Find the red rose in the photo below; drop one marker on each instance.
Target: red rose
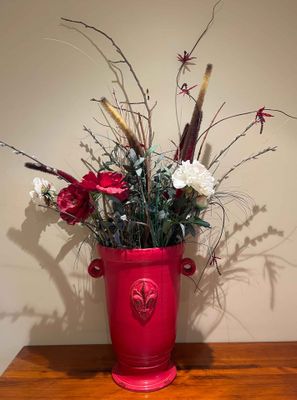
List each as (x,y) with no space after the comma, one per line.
(74,204)
(110,183)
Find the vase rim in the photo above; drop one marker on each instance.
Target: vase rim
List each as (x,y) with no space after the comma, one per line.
(145,255)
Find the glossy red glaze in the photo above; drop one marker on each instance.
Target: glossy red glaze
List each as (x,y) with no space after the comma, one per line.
(95,269)
(142,292)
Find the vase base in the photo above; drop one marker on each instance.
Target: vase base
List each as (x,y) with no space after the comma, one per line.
(144,382)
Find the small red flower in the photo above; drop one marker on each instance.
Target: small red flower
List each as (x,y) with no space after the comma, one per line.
(185,59)
(110,183)
(185,90)
(260,117)
(214,261)
(74,204)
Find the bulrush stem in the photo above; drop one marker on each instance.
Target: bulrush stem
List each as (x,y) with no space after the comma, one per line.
(53,171)
(204,86)
(119,120)
(189,138)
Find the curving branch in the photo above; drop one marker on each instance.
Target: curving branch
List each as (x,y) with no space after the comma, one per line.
(126,61)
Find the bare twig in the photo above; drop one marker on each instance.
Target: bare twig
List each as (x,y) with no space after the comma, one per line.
(205,137)
(218,203)
(118,49)
(100,123)
(21,152)
(240,115)
(132,102)
(252,157)
(281,112)
(92,135)
(39,165)
(89,166)
(117,62)
(178,87)
(207,27)
(215,160)
(123,109)
(119,78)
(87,224)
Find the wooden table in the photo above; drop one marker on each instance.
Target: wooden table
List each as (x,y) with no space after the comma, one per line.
(205,371)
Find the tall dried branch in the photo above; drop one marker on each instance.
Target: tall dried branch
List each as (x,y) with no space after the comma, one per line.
(178,87)
(120,52)
(207,26)
(118,74)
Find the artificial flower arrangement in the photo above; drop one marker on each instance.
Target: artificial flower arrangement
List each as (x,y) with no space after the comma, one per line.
(140,205)
(134,196)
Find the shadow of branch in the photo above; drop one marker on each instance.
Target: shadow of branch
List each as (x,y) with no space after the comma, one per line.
(213,288)
(81,317)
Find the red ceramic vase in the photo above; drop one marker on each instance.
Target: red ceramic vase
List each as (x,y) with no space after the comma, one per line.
(142,292)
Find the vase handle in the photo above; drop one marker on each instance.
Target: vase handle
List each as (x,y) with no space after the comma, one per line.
(188,267)
(95,269)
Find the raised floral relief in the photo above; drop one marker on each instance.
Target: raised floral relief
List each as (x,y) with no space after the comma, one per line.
(144,295)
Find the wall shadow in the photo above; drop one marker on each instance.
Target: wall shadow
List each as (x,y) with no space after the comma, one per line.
(211,292)
(81,302)
(81,307)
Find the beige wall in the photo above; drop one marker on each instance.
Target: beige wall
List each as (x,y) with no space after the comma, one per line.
(45,293)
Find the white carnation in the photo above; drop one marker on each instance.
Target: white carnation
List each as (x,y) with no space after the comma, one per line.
(42,190)
(194,175)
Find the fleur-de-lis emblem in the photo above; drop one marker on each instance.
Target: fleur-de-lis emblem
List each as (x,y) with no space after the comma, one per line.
(143,295)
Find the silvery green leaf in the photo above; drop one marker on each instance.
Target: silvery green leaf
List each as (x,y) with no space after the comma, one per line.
(162,214)
(182,226)
(139,162)
(117,239)
(150,150)
(139,171)
(160,158)
(133,155)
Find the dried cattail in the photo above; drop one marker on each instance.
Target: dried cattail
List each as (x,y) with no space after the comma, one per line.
(181,142)
(189,138)
(119,120)
(200,100)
